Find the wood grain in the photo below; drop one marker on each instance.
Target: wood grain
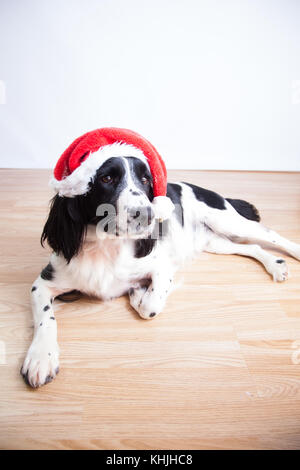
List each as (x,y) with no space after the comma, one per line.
(219,369)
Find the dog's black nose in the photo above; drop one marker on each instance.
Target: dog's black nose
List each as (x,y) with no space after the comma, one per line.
(144,215)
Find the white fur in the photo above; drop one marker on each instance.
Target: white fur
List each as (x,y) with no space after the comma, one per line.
(41,364)
(163,207)
(106,268)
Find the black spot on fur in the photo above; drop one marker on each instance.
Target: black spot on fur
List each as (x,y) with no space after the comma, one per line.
(52,318)
(143,247)
(210,198)
(47,273)
(280,261)
(46,308)
(134,193)
(245,209)
(49,354)
(152,314)
(41,323)
(131,290)
(33,288)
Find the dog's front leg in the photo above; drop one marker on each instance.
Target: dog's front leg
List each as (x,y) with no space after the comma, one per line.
(41,363)
(149,302)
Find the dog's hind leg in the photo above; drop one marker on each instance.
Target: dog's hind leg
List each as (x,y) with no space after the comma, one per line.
(41,364)
(277,267)
(231,224)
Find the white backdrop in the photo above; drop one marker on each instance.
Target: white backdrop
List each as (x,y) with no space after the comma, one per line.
(213,84)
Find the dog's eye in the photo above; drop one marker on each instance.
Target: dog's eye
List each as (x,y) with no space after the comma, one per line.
(144,180)
(106,179)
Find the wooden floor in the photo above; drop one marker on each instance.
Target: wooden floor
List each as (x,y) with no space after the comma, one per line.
(219,369)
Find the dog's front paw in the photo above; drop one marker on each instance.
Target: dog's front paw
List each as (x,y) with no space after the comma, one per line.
(279,270)
(41,364)
(146,303)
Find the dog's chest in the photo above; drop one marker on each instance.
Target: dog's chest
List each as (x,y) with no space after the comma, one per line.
(108,269)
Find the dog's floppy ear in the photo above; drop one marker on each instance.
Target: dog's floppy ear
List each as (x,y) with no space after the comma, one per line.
(65,227)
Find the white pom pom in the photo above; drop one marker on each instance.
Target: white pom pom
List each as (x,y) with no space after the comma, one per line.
(163,207)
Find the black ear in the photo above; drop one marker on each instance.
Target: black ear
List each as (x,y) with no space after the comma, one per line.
(65,227)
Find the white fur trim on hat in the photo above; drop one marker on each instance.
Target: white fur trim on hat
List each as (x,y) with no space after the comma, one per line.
(78,181)
(163,207)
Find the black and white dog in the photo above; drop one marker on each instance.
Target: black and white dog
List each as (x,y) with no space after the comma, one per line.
(140,255)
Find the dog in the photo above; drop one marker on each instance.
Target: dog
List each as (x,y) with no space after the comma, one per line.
(107,243)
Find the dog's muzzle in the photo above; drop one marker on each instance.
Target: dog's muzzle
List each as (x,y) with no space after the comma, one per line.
(140,216)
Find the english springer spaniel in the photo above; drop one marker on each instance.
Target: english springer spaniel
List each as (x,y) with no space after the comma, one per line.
(107,243)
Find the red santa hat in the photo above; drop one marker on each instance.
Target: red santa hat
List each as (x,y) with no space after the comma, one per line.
(80,161)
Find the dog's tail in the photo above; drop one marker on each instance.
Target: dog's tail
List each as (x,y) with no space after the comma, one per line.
(245,209)
(71,296)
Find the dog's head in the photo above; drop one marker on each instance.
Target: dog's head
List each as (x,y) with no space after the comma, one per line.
(118,201)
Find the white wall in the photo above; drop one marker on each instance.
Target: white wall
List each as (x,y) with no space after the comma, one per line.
(213,84)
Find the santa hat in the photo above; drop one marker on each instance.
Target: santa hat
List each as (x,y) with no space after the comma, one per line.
(80,161)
